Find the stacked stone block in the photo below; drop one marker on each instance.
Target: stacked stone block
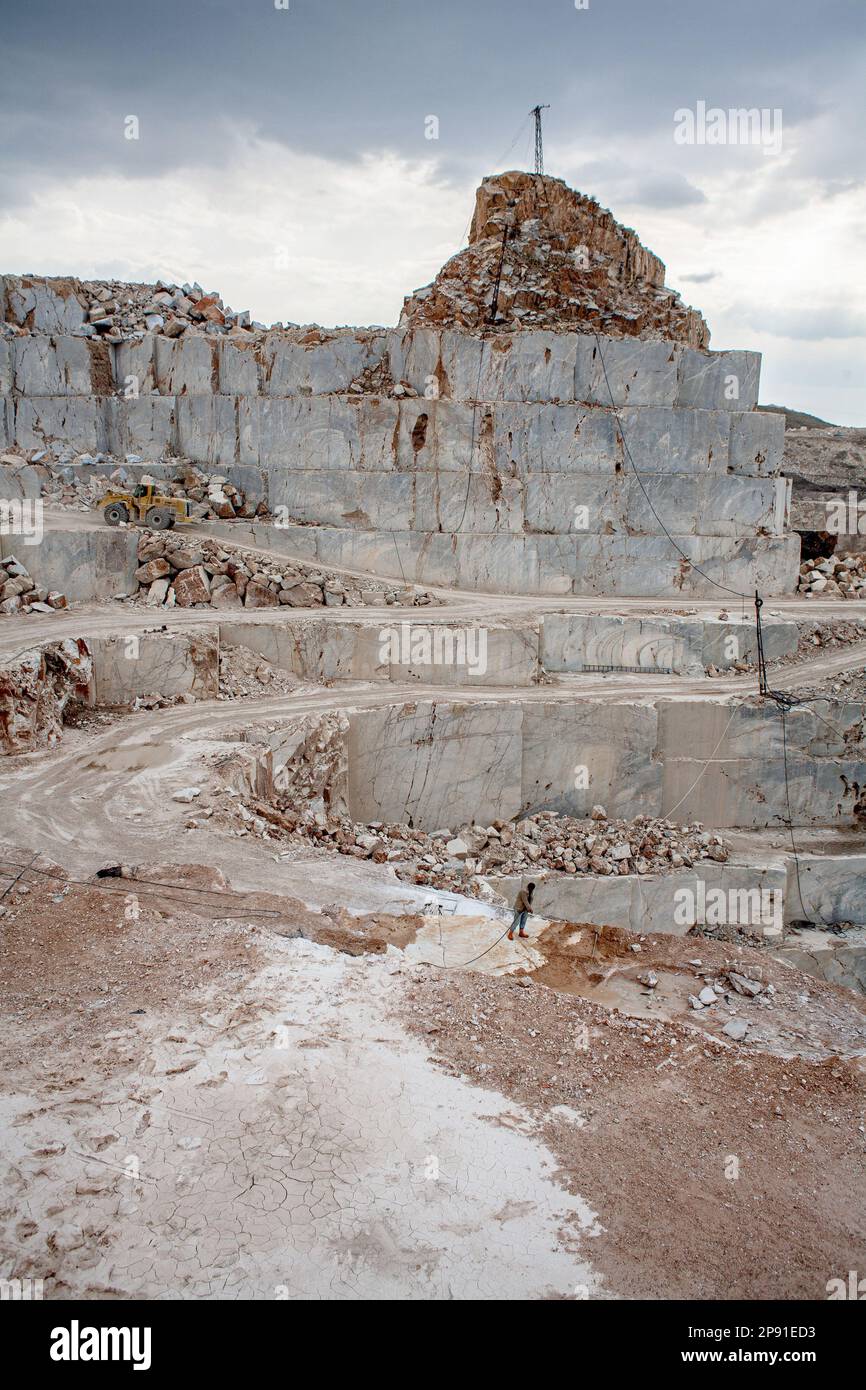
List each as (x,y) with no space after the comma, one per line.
(525,462)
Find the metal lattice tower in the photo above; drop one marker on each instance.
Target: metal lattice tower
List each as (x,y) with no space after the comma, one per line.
(539,148)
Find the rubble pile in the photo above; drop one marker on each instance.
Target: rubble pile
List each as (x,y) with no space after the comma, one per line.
(36,691)
(847,685)
(553,842)
(838,632)
(731,984)
(308,809)
(828,635)
(377,380)
(117,311)
(843,685)
(562,261)
(211,496)
(836,576)
(19,593)
(244,673)
(202,573)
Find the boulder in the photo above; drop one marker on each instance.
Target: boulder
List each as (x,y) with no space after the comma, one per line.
(260,596)
(150,548)
(157,592)
(154,569)
(184,559)
(736,1029)
(13,587)
(208,308)
(743,985)
(226,596)
(191,586)
(302,596)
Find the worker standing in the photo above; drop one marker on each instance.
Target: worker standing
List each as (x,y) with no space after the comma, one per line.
(522,909)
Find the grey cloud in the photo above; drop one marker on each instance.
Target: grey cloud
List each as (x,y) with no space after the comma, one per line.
(667,191)
(336,77)
(813,324)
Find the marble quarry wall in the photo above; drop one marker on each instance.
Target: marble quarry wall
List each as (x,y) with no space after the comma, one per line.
(435,764)
(833,890)
(490,461)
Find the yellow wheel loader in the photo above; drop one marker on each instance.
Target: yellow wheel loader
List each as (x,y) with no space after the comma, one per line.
(145,506)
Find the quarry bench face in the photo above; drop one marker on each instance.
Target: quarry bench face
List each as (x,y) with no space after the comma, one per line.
(537,462)
(461,606)
(558,454)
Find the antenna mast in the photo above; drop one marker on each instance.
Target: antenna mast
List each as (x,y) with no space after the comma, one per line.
(539,148)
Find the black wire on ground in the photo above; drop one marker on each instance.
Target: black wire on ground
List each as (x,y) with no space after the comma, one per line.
(134,884)
(24,870)
(461,965)
(160,888)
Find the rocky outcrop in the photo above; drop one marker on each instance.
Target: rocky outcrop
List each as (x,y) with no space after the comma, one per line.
(452,450)
(562,261)
(36,691)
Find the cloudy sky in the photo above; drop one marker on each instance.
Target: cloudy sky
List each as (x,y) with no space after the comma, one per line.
(283,155)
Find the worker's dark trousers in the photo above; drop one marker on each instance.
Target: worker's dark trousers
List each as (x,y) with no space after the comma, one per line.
(519,921)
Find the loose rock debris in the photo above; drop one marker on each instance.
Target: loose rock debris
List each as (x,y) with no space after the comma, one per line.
(309,1111)
(308,809)
(175,571)
(837,576)
(19,592)
(119,311)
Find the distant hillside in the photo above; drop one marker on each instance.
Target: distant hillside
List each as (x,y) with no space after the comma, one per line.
(798,419)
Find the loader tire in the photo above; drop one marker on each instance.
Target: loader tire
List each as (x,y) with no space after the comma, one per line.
(115,513)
